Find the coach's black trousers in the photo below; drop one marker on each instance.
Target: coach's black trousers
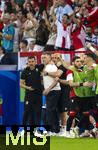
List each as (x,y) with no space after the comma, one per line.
(52,115)
(32,109)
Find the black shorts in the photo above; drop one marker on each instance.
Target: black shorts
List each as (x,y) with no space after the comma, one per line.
(74,104)
(64,100)
(82,104)
(88,104)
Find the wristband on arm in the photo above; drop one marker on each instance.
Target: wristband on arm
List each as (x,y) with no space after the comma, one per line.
(81,84)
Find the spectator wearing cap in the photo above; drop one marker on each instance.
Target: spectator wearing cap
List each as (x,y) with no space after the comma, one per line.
(7,34)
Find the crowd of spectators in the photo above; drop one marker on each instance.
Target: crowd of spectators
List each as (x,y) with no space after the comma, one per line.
(45,25)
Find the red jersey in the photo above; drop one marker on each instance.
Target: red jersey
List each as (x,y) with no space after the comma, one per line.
(78,37)
(93,18)
(69,75)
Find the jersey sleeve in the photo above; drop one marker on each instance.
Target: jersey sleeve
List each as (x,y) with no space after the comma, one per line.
(23,75)
(69,75)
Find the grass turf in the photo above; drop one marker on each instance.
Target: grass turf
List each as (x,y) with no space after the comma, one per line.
(59,143)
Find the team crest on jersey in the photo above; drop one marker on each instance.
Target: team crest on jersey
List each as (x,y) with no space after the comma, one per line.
(36,69)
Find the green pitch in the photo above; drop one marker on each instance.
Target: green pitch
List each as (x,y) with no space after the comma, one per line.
(59,143)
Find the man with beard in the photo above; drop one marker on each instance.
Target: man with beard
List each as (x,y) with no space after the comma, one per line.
(31,82)
(78,102)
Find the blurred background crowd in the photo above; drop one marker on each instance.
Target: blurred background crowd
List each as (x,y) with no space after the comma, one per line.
(48,25)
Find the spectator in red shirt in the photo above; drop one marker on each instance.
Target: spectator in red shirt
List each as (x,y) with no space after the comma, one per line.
(92,19)
(78,35)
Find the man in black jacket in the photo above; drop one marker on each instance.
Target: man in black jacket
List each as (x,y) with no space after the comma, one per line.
(31,82)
